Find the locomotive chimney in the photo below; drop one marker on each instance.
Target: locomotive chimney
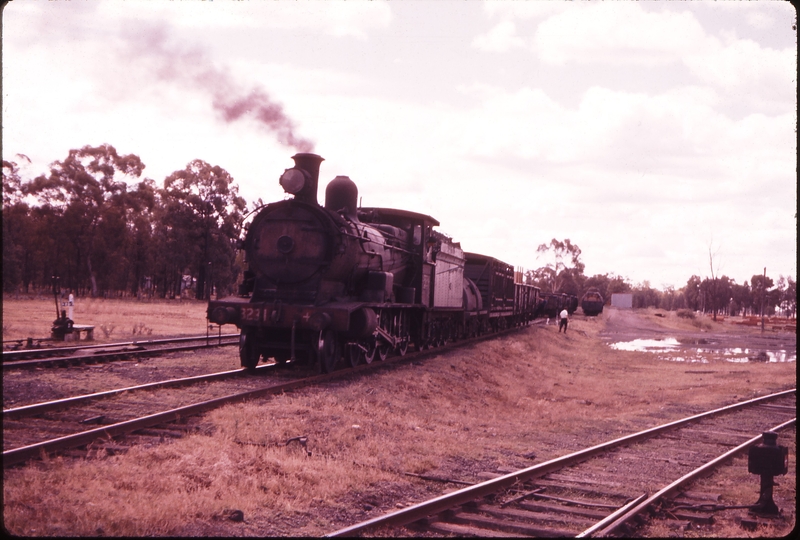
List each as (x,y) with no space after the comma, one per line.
(309,163)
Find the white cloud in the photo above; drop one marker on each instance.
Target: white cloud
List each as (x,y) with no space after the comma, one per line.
(616,33)
(524,10)
(353,18)
(501,38)
(743,63)
(760,20)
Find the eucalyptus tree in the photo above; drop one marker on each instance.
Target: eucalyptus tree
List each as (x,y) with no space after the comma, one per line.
(17,226)
(693,294)
(565,268)
(86,196)
(788,301)
(764,300)
(199,226)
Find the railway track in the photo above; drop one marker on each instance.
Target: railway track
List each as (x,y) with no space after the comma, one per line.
(95,419)
(155,409)
(598,491)
(90,354)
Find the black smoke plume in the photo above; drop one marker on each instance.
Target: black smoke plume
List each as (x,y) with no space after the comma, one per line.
(191,68)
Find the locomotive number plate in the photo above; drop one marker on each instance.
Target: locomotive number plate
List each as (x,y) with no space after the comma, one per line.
(252,314)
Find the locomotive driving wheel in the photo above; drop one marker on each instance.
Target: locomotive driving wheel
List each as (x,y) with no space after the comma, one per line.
(327,351)
(383,351)
(369,353)
(354,354)
(248,351)
(402,347)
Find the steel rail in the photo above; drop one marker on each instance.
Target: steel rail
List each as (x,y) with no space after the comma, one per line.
(465,495)
(39,408)
(613,516)
(21,454)
(8,355)
(687,478)
(111,354)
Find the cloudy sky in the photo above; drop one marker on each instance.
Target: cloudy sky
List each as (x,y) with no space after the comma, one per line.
(647,133)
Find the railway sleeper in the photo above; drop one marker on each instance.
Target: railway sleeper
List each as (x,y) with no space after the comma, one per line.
(694,517)
(549,507)
(156,432)
(111,449)
(674,460)
(75,453)
(585,489)
(463,530)
(676,524)
(53,427)
(557,515)
(583,480)
(495,524)
(691,497)
(185,428)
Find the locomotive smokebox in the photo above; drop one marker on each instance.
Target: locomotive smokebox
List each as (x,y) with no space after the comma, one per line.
(302,180)
(341,195)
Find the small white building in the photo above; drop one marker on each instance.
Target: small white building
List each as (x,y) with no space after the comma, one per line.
(622,300)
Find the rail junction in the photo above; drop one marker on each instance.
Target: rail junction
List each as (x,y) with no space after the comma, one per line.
(602,490)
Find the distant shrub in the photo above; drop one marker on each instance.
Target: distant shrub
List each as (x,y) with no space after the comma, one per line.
(107,329)
(701,324)
(141,329)
(685,313)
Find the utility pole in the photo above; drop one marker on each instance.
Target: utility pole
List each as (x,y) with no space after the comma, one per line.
(763,293)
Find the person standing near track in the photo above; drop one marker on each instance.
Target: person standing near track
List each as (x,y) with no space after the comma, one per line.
(563,318)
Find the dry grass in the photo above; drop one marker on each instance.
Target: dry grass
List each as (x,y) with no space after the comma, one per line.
(454,415)
(114,320)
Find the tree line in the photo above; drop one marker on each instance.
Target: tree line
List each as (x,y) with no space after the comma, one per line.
(714,295)
(102,231)
(92,222)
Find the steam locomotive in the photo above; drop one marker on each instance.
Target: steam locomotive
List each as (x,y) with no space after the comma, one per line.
(341,283)
(592,302)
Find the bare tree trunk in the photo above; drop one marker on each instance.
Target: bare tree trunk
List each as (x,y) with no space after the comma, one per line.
(92,277)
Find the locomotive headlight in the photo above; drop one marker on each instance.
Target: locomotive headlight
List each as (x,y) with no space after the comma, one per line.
(293,180)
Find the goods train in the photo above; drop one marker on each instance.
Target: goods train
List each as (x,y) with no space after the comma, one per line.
(592,302)
(340,282)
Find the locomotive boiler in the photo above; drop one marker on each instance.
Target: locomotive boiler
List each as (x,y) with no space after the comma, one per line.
(337,281)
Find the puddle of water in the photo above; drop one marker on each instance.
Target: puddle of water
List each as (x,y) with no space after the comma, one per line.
(647,345)
(666,347)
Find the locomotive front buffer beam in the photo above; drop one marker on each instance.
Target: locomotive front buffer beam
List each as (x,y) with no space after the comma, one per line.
(352,319)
